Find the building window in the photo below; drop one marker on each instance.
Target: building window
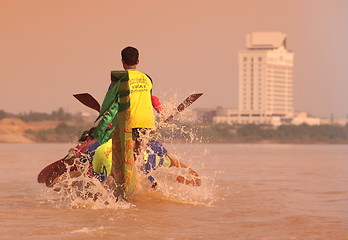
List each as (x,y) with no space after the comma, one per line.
(260,59)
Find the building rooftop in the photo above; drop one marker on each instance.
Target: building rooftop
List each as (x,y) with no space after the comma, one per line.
(265,40)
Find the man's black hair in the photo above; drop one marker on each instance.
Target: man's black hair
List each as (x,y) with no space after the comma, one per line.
(130,55)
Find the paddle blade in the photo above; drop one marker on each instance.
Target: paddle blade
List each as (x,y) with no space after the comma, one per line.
(88,100)
(54,170)
(47,171)
(187,102)
(67,165)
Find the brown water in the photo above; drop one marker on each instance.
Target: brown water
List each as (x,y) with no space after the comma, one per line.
(248,192)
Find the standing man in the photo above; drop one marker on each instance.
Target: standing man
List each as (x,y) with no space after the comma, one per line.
(141,112)
(127,117)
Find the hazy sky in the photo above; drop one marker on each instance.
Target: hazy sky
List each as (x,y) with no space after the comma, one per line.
(51,49)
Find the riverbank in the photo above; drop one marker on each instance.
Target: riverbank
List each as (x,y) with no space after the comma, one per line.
(13,130)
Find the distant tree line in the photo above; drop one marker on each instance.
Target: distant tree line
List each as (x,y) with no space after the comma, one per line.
(191,133)
(61,133)
(31,116)
(216,133)
(252,133)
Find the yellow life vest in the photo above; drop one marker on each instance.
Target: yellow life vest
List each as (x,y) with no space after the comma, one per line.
(102,159)
(141,112)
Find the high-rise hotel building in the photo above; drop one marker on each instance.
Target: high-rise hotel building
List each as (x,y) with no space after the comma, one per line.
(265,84)
(266,75)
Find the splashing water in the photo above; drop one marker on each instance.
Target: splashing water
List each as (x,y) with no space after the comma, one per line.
(75,189)
(78,190)
(172,190)
(85,192)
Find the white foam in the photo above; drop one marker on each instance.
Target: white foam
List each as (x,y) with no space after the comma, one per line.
(88,230)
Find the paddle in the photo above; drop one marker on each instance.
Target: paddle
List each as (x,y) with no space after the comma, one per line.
(60,169)
(50,172)
(56,169)
(182,106)
(47,171)
(88,100)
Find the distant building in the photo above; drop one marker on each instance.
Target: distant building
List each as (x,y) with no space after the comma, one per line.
(265,86)
(234,116)
(265,82)
(266,74)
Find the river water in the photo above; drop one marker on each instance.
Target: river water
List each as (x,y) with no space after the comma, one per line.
(248,191)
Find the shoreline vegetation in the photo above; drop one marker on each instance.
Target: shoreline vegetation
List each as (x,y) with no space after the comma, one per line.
(62,127)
